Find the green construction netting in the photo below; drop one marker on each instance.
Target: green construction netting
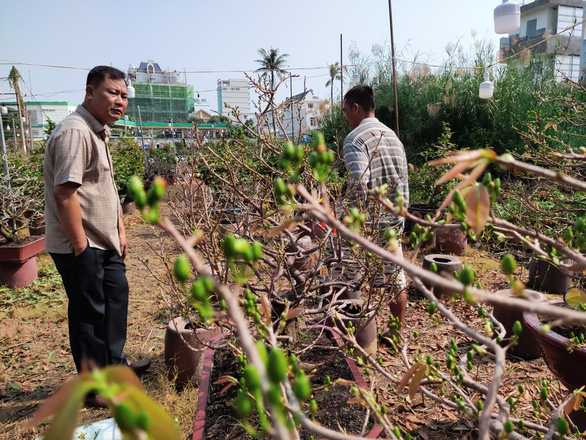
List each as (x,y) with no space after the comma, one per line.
(161,102)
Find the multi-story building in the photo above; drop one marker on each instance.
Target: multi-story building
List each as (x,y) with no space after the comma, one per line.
(234,94)
(300,114)
(161,95)
(541,19)
(38,114)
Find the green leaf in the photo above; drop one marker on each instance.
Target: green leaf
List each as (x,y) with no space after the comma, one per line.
(67,417)
(161,424)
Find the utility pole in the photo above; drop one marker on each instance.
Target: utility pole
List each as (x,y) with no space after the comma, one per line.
(13,77)
(341,94)
(394,71)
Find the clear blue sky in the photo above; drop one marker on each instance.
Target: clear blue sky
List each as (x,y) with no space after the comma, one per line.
(223,35)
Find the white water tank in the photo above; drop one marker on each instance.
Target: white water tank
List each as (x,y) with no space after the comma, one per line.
(507,17)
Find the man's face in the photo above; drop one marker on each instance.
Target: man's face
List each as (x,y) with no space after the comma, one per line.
(351,112)
(107,102)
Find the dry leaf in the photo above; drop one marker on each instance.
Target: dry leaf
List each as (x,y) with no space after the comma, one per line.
(408,375)
(225,379)
(477,206)
(416,380)
(293,313)
(285,225)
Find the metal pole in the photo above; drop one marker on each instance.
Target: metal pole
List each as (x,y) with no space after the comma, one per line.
(173,138)
(142,137)
(3,145)
(394,71)
(341,93)
(291,94)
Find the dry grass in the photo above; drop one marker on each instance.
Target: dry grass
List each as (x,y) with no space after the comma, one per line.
(36,358)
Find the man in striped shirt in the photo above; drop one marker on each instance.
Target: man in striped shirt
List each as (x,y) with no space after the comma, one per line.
(374,156)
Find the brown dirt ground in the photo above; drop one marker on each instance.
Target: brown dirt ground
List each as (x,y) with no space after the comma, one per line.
(35,358)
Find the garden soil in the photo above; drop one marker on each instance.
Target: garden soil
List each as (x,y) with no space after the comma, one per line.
(35,357)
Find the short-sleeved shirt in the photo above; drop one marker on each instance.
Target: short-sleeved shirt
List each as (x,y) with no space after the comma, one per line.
(77,152)
(374,155)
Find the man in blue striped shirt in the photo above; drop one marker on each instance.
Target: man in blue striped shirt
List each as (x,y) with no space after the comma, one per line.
(374,156)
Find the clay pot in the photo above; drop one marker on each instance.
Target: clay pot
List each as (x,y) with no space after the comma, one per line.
(450,241)
(399,306)
(365,333)
(546,277)
(183,360)
(18,262)
(128,208)
(446,266)
(304,262)
(567,367)
(527,347)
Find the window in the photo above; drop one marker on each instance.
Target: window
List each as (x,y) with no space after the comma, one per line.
(312,122)
(531,28)
(310,105)
(150,68)
(568,65)
(569,16)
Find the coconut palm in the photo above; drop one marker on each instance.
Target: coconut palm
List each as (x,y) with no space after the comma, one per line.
(334,76)
(271,62)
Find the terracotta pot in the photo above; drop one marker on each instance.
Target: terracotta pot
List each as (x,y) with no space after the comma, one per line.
(128,208)
(37,230)
(446,266)
(399,306)
(183,360)
(18,265)
(450,241)
(205,386)
(351,312)
(527,347)
(546,277)
(567,367)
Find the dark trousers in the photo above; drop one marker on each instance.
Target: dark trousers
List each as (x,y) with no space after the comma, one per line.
(97,288)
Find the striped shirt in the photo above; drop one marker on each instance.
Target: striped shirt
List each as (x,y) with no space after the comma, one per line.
(374,155)
(77,152)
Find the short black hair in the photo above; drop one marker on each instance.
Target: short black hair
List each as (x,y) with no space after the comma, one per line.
(362,95)
(99,73)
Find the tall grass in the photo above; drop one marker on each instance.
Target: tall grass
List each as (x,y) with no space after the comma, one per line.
(429,98)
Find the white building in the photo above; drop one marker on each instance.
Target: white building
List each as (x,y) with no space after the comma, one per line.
(39,112)
(232,94)
(541,19)
(302,117)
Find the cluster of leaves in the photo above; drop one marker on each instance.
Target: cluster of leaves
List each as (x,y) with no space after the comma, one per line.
(136,414)
(127,161)
(160,162)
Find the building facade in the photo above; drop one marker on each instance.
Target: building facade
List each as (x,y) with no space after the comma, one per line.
(161,95)
(301,115)
(234,94)
(541,19)
(38,114)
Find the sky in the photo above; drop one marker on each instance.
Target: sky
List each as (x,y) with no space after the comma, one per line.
(221,36)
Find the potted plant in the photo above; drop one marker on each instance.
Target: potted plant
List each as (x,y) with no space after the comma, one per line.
(564,353)
(21,206)
(216,409)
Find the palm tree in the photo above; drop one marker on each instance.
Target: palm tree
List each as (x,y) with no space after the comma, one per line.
(271,62)
(334,76)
